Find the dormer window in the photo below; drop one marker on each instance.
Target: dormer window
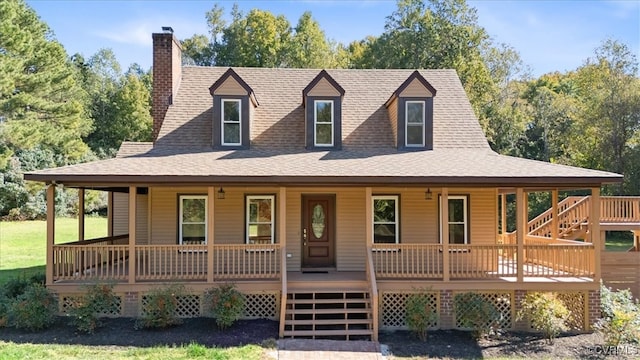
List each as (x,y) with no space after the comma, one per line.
(323,122)
(414,123)
(233,100)
(411,113)
(323,114)
(231,125)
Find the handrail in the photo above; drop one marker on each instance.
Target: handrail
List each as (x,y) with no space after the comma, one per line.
(283,295)
(373,289)
(97,240)
(544,218)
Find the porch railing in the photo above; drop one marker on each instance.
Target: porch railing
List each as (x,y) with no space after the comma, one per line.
(424,261)
(99,260)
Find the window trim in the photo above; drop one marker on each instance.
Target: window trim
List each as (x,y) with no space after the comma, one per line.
(180,216)
(247,216)
(422,124)
(315,122)
(467,218)
(223,122)
(396,198)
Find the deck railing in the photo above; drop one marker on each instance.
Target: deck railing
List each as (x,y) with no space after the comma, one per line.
(482,261)
(555,260)
(373,291)
(168,262)
(616,209)
(83,262)
(233,262)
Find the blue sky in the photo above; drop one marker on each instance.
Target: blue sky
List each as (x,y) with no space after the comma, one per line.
(549,35)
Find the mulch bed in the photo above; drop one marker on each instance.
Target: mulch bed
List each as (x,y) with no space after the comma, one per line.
(443,344)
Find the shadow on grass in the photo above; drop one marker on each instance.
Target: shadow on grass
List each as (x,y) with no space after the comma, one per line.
(8,274)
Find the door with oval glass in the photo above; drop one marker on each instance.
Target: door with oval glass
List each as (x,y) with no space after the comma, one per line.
(318,231)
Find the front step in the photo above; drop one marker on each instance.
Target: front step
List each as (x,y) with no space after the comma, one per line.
(328,314)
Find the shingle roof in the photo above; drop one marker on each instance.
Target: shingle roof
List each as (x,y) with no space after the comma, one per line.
(183,151)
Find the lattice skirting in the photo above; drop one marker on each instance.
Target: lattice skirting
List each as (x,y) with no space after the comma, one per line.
(576,303)
(259,305)
(393,309)
(68,301)
(503,302)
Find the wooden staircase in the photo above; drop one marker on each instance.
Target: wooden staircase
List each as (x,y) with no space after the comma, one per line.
(337,314)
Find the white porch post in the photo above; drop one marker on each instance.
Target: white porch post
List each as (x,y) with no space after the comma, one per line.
(132,234)
(595,231)
(554,213)
(51,231)
(444,234)
(80,214)
(521,228)
(211,194)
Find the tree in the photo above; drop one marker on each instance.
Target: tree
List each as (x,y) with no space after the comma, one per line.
(609,115)
(309,47)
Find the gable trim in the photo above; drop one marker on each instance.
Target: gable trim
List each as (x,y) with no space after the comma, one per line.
(322,75)
(414,76)
(231,73)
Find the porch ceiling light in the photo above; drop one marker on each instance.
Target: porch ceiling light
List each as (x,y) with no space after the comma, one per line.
(428,195)
(221,193)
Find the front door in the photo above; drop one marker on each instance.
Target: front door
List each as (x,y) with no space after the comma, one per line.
(318,231)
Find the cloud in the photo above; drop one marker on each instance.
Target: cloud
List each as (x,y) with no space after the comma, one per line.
(139,32)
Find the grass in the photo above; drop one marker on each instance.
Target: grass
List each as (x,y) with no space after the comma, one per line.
(23,244)
(619,241)
(10,351)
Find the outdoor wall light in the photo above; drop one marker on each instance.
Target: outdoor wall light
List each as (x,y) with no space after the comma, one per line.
(221,193)
(428,195)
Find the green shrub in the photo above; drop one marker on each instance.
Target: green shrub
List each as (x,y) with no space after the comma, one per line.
(16,287)
(620,322)
(225,304)
(475,312)
(419,314)
(546,312)
(34,310)
(160,308)
(5,303)
(85,313)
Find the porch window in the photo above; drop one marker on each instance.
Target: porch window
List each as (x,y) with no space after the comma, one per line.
(193,220)
(323,122)
(231,127)
(414,122)
(385,219)
(458,219)
(260,219)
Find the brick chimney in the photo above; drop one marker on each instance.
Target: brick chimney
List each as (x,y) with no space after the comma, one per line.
(167,68)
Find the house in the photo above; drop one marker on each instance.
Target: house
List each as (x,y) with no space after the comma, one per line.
(327,197)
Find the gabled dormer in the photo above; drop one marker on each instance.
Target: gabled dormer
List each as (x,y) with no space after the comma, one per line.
(411,113)
(322,100)
(233,104)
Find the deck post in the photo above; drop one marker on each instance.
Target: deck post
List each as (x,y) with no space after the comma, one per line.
(444,220)
(132,234)
(503,215)
(211,195)
(282,239)
(109,213)
(595,231)
(368,216)
(81,214)
(521,228)
(554,214)
(51,231)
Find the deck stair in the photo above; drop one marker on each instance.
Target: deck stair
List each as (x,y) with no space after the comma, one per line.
(337,314)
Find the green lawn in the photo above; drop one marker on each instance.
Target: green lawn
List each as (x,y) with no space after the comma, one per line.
(11,351)
(619,241)
(23,243)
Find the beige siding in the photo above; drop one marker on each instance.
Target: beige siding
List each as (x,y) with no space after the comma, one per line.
(120,213)
(323,88)
(230,87)
(121,216)
(294,224)
(393,117)
(350,230)
(415,89)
